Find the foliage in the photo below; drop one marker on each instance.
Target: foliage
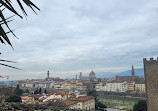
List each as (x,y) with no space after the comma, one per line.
(116,101)
(40,91)
(140,106)
(33,85)
(18,91)
(50,103)
(36,91)
(45,91)
(101,105)
(7,4)
(27,91)
(4,27)
(14,98)
(93,93)
(98,104)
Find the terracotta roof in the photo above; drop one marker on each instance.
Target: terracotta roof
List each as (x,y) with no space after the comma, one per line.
(70,102)
(123,78)
(24,97)
(36,95)
(83,98)
(51,93)
(83,93)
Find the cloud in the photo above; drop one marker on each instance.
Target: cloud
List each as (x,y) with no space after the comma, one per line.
(69,36)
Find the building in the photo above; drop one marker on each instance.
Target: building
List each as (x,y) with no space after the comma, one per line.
(151,81)
(140,87)
(131,86)
(80,76)
(127,78)
(100,87)
(116,86)
(92,75)
(66,99)
(85,103)
(48,78)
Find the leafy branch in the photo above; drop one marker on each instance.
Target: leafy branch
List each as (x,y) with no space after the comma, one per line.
(7,4)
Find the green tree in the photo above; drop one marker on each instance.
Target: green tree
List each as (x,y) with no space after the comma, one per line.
(27,91)
(36,91)
(45,91)
(140,106)
(14,98)
(93,93)
(98,104)
(18,91)
(50,103)
(40,91)
(33,85)
(101,105)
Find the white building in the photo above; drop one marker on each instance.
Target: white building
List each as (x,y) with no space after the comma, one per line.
(140,87)
(100,87)
(116,86)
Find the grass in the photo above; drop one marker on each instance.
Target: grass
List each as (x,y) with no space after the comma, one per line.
(119,102)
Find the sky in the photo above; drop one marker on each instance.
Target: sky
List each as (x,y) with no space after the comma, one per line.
(71,36)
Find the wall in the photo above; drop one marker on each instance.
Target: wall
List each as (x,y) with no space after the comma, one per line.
(151,80)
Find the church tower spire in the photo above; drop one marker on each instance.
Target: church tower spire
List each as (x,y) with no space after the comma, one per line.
(132,71)
(133,74)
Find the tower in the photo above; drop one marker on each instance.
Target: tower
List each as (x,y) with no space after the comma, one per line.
(92,75)
(151,82)
(80,76)
(48,74)
(133,74)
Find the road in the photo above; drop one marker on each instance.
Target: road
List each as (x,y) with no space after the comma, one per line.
(110,109)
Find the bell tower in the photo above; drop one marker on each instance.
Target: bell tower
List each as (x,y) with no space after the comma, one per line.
(48,74)
(133,74)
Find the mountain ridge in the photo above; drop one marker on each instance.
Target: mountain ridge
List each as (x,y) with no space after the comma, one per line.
(138,72)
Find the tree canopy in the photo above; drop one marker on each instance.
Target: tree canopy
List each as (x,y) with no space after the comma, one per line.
(18,91)
(98,104)
(14,98)
(140,106)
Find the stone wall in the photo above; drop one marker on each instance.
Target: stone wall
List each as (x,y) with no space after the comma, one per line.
(151,80)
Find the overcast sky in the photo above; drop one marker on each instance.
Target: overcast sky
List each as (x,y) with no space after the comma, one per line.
(72,36)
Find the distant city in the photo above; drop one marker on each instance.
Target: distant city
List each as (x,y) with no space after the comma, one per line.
(71,92)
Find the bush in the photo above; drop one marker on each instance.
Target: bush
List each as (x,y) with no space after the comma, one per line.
(18,91)
(14,98)
(101,105)
(50,103)
(140,106)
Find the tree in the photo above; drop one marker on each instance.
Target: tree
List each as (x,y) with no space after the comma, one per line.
(140,106)
(14,98)
(45,91)
(101,105)
(93,93)
(50,103)
(98,104)
(40,91)
(36,92)
(18,91)
(4,27)
(27,91)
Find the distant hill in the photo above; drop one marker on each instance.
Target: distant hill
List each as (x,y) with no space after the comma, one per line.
(105,74)
(7,82)
(138,72)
